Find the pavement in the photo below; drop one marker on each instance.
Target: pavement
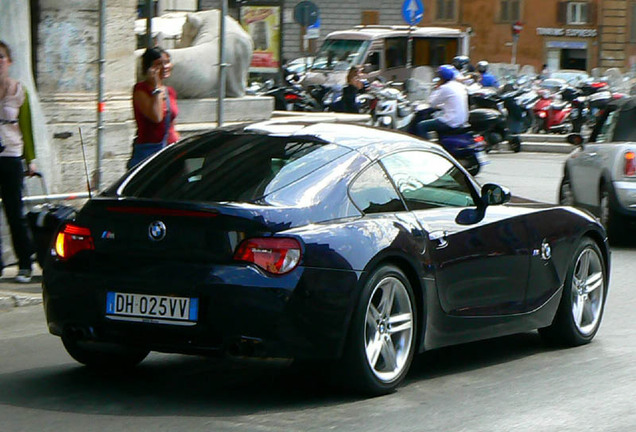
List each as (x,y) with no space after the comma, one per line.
(14,294)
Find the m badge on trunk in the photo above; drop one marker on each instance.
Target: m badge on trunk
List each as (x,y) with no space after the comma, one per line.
(156,231)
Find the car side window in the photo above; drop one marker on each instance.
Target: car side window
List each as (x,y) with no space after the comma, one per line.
(395,52)
(373,62)
(428,180)
(372,192)
(607,130)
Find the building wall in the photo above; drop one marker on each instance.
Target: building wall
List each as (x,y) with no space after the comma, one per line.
(492,39)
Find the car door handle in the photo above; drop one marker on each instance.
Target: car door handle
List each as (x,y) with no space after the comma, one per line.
(439,237)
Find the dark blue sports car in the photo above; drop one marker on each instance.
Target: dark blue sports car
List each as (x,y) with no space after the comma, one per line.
(347,244)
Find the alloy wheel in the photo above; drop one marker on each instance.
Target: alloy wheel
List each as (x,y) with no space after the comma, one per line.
(588,290)
(389,329)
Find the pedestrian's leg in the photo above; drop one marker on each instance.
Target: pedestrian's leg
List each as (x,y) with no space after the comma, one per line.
(13,177)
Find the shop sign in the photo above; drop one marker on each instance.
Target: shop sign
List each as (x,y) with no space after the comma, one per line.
(569,32)
(566,45)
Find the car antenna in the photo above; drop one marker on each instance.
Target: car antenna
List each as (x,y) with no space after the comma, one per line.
(88,183)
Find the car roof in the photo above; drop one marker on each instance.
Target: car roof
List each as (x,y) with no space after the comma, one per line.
(371,141)
(371,32)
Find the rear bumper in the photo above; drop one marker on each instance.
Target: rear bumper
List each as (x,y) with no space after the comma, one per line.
(625,194)
(242,311)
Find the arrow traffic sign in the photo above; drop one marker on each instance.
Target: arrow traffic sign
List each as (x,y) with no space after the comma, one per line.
(412,11)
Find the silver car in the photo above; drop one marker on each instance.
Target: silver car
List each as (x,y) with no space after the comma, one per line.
(600,175)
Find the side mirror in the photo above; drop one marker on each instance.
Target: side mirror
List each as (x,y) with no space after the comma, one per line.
(493,194)
(575,139)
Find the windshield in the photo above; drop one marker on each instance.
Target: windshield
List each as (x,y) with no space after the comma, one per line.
(340,54)
(228,167)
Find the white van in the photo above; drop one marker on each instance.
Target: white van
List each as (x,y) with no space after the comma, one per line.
(391,52)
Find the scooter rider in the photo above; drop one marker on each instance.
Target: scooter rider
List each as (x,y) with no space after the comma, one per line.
(451,97)
(486,78)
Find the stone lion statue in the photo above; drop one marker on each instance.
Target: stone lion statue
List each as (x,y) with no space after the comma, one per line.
(196,71)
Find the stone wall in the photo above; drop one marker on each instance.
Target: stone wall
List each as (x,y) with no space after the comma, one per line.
(67,78)
(613,21)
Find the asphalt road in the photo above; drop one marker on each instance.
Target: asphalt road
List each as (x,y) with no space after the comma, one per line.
(514,383)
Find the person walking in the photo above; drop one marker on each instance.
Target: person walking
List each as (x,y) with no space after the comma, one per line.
(16,144)
(155,107)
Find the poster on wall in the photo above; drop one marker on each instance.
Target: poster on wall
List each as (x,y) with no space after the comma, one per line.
(263,24)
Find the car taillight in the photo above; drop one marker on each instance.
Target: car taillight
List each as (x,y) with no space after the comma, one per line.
(291,97)
(629,168)
(275,255)
(72,239)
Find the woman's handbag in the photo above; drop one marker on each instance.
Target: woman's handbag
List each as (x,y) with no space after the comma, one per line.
(145,150)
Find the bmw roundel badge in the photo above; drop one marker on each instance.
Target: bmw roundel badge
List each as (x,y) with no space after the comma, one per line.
(157,231)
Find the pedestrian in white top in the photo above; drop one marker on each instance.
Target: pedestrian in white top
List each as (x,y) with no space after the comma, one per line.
(450,96)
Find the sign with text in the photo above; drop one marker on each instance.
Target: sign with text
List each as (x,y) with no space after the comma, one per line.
(568,32)
(263,24)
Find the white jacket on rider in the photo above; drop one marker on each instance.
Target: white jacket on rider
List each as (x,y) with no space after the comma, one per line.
(452,99)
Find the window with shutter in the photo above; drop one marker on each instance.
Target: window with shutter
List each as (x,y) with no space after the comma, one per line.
(577,13)
(445,10)
(562,12)
(510,10)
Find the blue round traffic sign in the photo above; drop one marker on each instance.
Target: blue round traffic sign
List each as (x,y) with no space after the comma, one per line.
(306,13)
(412,11)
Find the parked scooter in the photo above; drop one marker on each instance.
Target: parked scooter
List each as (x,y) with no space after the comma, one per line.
(291,96)
(467,148)
(392,110)
(493,123)
(552,115)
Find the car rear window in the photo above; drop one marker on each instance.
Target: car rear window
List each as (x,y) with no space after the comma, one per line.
(228,167)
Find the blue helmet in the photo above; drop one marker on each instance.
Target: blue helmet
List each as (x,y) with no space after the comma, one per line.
(446,72)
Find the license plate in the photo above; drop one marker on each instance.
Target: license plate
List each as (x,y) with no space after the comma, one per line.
(152,308)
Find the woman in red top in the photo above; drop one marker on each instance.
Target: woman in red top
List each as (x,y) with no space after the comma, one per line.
(155,107)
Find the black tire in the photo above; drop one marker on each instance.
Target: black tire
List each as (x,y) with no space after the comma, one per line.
(373,333)
(566,194)
(492,140)
(580,311)
(538,125)
(515,143)
(611,220)
(471,164)
(104,356)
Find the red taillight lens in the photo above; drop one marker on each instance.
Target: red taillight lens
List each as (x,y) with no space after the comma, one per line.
(72,239)
(273,254)
(291,97)
(630,164)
